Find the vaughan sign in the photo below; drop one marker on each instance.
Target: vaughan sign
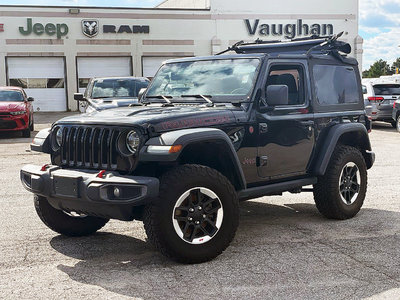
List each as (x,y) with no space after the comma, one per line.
(289,31)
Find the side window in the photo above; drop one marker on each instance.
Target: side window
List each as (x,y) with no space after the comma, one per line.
(293,77)
(335,84)
(364,89)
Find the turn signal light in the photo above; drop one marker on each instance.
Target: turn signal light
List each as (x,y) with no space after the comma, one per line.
(175,149)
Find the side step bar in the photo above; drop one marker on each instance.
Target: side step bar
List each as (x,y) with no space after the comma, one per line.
(274,188)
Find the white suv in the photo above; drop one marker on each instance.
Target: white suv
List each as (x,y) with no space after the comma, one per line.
(379,97)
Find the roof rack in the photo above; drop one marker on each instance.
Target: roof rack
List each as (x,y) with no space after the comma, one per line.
(305,45)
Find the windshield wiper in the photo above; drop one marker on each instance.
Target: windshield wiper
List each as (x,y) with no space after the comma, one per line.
(165,98)
(206,98)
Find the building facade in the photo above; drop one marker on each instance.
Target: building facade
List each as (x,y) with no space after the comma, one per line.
(53,51)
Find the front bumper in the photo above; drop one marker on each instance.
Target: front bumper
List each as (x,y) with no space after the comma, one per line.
(14,123)
(110,196)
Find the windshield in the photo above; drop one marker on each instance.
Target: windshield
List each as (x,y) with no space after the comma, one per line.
(212,78)
(117,88)
(11,96)
(387,89)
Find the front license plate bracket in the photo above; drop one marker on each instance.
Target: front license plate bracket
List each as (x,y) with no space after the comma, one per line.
(66,186)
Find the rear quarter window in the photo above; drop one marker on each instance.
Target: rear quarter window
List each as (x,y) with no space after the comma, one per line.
(335,85)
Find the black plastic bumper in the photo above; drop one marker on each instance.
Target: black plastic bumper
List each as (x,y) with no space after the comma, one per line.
(110,196)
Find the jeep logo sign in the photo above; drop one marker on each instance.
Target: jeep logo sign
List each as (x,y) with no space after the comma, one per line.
(59,30)
(289,31)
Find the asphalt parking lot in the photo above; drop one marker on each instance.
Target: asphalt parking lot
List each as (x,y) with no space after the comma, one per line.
(283,248)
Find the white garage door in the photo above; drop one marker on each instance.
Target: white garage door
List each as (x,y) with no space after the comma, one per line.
(89,67)
(43,78)
(150,65)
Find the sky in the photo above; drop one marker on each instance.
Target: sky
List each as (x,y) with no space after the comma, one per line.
(379,23)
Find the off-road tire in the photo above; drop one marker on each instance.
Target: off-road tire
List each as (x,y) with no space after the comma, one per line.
(62,223)
(394,124)
(158,216)
(398,123)
(26,133)
(326,190)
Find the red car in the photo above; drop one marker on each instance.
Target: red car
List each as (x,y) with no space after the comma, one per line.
(16,110)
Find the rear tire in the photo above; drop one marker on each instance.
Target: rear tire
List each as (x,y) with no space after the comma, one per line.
(340,192)
(394,124)
(196,215)
(398,123)
(65,224)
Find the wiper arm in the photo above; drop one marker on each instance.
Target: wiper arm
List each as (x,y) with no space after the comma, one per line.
(165,98)
(206,98)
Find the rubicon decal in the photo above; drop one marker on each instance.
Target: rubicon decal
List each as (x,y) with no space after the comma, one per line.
(289,31)
(195,122)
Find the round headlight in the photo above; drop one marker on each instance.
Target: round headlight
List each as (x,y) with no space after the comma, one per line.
(59,136)
(132,141)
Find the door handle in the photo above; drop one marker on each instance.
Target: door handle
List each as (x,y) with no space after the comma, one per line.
(307,123)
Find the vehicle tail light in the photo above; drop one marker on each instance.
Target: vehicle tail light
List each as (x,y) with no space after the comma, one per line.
(375,98)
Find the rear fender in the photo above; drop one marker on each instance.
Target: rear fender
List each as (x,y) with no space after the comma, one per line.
(352,134)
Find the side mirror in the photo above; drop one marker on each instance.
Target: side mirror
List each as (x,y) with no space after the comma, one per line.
(79,97)
(141,92)
(277,95)
(30,99)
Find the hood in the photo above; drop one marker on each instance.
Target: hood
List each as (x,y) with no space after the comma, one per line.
(101,104)
(160,118)
(12,105)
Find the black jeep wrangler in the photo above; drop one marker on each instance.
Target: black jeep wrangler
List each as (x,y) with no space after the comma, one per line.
(207,133)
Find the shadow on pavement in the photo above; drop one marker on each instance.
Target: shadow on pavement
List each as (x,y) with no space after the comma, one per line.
(383,126)
(284,252)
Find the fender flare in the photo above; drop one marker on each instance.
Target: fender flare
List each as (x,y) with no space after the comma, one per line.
(186,137)
(331,140)
(41,142)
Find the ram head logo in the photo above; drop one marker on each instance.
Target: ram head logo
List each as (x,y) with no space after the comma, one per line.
(90,28)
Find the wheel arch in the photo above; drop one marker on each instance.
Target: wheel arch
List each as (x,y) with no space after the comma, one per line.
(210,147)
(351,134)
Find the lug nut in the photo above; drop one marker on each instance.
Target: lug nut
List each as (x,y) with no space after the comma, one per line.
(190,219)
(197,222)
(204,216)
(191,209)
(199,208)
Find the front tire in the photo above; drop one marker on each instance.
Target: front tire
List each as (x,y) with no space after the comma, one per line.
(195,216)
(340,192)
(65,223)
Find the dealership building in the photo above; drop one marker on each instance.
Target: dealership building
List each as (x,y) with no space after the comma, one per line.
(52,52)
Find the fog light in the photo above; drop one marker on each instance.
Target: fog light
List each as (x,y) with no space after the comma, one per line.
(117,192)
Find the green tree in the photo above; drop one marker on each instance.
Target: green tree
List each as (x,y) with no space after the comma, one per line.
(395,65)
(378,68)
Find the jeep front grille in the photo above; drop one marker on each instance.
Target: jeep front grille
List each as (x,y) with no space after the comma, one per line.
(89,147)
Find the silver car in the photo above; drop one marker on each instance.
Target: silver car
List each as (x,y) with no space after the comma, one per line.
(379,98)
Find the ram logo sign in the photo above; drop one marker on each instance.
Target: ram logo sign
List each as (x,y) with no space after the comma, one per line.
(90,28)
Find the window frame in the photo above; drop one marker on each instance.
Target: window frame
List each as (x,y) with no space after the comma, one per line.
(303,64)
(356,106)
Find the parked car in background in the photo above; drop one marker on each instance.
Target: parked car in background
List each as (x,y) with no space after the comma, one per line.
(16,110)
(379,97)
(110,92)
(396,114)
